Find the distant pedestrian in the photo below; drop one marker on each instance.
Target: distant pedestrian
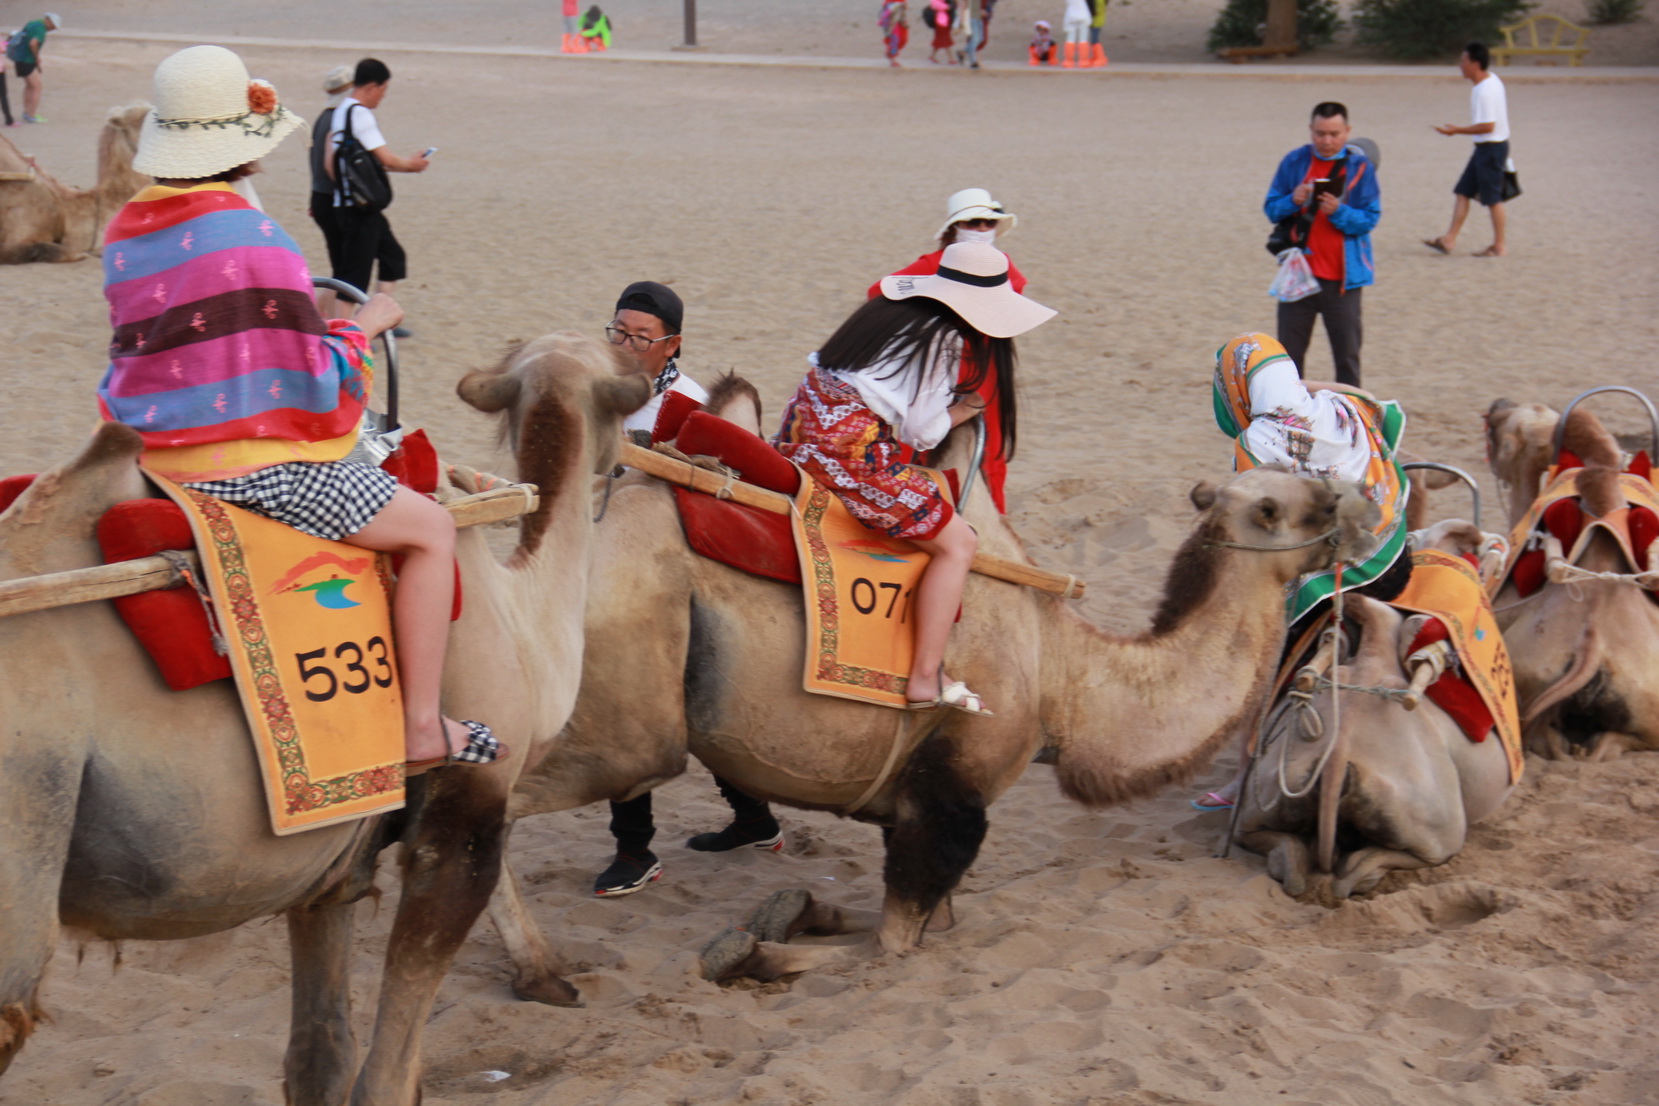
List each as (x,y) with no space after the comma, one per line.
(971,22)
(23,51)
(5,98)
(572,42)
(1482,178)
(1043,50)
(895,31)
(336,86)
(1076,25)
(1331,185)
(940,15)
(1097,27)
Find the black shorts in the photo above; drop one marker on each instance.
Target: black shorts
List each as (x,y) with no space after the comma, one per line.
(25,69)
(364,238)
(322,213)
(1482,178)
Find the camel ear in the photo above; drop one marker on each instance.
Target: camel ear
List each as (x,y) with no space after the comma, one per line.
(622,395)
(1202,495)
(489,390)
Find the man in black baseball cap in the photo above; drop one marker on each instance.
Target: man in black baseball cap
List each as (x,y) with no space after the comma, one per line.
(646,324)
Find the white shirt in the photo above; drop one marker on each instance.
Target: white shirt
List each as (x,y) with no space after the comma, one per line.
(1313,433)
(364,128)
(919,416)
(1489,104)
(646,417)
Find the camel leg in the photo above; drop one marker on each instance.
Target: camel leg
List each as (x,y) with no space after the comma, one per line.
(1610,745)
(322,1054)
(538,967)
(1288,858)
(1365,868)
(451,862)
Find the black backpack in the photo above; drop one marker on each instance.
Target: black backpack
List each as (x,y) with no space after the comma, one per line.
(359,177)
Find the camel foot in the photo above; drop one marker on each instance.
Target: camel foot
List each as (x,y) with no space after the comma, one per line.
(779,917)
(549,990)
(726,956)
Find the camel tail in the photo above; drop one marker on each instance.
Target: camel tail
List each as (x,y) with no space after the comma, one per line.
(1331,780)
(1585,665)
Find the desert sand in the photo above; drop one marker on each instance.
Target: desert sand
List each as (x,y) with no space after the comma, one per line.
(1104,957)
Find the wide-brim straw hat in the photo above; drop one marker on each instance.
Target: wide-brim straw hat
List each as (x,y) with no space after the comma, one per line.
(976,203)
(973,281)
(209,117)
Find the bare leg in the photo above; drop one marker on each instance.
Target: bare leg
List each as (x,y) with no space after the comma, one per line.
(422,532)
(31,94)
(938,597)
(386,286)
(1500,220)
(1460,212)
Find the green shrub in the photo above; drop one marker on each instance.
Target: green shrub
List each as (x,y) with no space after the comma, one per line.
(1241,21)
(1615,11)
(1432,28)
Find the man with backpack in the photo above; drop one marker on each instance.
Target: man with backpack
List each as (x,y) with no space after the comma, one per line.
(23,51)
(356,152)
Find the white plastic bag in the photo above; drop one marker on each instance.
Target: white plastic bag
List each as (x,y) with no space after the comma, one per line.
(1295,279)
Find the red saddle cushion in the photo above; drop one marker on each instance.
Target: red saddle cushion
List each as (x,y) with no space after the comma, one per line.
(756,462)
(757,541)
(12,487)
(1451,692)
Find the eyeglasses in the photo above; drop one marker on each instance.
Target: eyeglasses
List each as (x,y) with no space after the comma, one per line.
(977,224)
(639,343)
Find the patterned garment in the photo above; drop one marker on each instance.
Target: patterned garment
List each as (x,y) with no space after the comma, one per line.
(219,357)
(324,499)
(846,447)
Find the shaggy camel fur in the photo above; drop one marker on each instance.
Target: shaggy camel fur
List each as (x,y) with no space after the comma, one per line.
(45,220)
(718,674)
(1399,789)
(135,812)
(1586,654)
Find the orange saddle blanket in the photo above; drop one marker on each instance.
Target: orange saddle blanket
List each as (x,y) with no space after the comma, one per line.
(1559,512)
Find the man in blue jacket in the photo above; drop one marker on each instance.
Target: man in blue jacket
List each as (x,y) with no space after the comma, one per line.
(1335,185)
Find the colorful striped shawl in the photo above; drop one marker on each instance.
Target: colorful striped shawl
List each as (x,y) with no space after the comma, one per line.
(219,357)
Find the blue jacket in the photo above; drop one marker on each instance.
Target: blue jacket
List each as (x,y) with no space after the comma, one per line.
(1359,211)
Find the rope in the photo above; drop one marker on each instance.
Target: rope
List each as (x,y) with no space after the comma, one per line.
(1332,535)
(899,734)
(1561,572)
(605,503)
(184,571)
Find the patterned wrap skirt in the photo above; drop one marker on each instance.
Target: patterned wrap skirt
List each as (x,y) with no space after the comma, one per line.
(326,499)
(849,449)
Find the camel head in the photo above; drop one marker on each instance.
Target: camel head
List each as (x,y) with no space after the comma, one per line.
(1452,535)
(117,145)
(734,399)
(1518,438)
(561,399)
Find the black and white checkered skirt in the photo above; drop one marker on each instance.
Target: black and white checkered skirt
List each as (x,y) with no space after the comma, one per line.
(327,499)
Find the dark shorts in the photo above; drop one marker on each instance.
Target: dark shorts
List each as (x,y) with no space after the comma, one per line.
(25,68)
(322,213)
(364,239)
(1482,178)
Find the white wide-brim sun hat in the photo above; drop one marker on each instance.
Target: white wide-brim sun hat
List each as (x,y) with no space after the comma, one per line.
(973,281)
(209,117)
(976,203)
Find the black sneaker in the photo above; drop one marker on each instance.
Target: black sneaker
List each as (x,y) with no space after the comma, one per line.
(627,874)
(765,836)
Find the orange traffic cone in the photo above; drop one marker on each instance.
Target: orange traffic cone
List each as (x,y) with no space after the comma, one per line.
(1099,56)
(1070,61)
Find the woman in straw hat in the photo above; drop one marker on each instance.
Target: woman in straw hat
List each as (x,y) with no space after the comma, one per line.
(971,215)
(240,389)
(888,379)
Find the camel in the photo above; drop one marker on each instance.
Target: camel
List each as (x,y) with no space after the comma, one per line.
(135,812)
(689,656)
(1586,653)
(43,219)
(1395,788)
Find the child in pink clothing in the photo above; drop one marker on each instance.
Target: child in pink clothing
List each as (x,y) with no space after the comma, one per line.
(895,32)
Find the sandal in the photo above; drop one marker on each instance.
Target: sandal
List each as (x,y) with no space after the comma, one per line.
(956,696)
(481,748)
(1210,802)
(1436,245)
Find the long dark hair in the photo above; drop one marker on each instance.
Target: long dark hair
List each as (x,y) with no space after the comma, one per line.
(900,330)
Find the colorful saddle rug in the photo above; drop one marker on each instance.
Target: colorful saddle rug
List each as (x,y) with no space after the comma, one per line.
(1480,694)
(307,623)
(859,591)
(1559,512)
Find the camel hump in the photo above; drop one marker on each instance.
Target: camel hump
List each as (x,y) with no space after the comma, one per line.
(104,473)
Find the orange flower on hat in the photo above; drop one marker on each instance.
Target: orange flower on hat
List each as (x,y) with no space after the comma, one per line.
(262,98)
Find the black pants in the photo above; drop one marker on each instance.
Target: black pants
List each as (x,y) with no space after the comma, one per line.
(5,100)
(1341,311)
(633,826)
(322,213)
(363,239)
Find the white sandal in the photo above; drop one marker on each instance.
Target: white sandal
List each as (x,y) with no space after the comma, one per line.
(956,696)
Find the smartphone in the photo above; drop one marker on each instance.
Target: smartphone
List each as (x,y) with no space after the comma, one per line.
(1322,185)
(429,151)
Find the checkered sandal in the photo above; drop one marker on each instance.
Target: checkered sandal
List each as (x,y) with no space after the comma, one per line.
(481,748)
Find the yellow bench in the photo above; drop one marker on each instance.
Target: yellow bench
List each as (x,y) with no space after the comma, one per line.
(1533,36)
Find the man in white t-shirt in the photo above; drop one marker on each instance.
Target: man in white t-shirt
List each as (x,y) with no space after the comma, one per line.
(1482,178)
(364,237)
(646,324)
